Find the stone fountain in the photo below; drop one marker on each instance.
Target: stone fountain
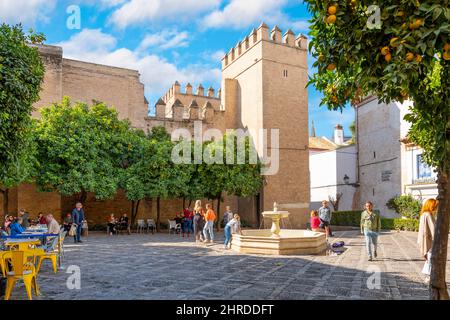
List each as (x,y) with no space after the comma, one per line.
(277,241)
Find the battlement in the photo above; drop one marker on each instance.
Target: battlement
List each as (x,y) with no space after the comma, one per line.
(175,91)
(262,34)
(177,111)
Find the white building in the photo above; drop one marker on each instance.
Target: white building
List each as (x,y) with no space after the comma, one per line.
(388,165)
(332,166)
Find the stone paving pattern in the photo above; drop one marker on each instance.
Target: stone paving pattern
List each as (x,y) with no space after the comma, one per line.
(162,266)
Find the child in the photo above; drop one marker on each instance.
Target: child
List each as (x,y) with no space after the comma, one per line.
(208,230)
(235,225)
(315,221)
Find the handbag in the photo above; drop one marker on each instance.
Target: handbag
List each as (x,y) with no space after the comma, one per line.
(427,266)
(73,230)
(84,225)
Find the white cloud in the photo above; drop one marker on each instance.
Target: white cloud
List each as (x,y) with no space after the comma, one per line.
(239,14)
(165,39)
(218,55)
(157,74)
(144,11)
(25,11)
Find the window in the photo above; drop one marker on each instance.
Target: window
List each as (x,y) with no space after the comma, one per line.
(285,73)
(374,155)
(424,171)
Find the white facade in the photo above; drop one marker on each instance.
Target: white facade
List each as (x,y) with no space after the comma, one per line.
(387,167)
(327,171)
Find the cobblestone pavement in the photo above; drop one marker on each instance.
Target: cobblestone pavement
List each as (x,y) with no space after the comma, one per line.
(162,266)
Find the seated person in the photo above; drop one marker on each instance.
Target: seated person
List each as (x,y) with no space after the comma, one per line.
(112,223)
(16,227)
(42,219)
(315,221)
(52,225)
(123,221)
(178,218)
(68,221)
(7,224)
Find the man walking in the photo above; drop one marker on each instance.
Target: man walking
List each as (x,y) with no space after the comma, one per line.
(325,217)
(78,219)
(370,227)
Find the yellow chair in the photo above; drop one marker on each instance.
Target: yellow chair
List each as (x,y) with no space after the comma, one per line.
(23,270)
(51,253)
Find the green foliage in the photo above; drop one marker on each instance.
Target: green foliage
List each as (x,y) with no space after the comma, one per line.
(420,29)
(346,218)
(353,219)
(21,76)
(400,224)
(406,205)
(81,149)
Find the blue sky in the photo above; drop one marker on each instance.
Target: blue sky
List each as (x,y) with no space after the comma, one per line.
(166,40)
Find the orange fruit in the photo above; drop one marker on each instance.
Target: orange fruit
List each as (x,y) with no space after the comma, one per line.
(354,3)
(418,23)
(331,67)
(334,99)
(332,9)
(321,57)
(418,58)
(446,55)
(331,19)
(394,42)
(447,47)
(384,50)
(409,56)
(388,57)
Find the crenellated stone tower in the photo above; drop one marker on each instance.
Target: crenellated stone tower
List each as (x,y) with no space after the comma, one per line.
(264,87)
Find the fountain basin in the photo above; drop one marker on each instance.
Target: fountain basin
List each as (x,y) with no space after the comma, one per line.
(288,242)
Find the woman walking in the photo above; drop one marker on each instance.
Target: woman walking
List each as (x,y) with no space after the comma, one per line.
(426,232)
(198,220)
(208,230)
(232,225)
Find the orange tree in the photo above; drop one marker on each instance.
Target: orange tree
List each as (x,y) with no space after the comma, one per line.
(396,50)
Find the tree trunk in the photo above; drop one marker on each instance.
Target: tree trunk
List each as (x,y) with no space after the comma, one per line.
(83,196)
(438,286)
(184,203)
(158,213)
(218,212)
(5,193)
(190,202)
(134,211)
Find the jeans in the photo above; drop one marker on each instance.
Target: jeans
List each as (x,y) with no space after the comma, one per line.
(187,226)
(227,232)
(371,239)
(77,237)
(208,229)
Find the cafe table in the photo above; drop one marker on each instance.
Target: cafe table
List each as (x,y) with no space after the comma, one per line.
(22,244)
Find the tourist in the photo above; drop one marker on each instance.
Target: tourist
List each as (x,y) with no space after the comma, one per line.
(198,221)
(123,221)
(25,216)
(16,227)
(41,219)
(370,227)
(78,219)
(232,226)
(112,223)
(426,233)
(325,218)
(315,221)
(187,225)
(67,223)
(7,224)
(227,215)
(208,230)
(52,225)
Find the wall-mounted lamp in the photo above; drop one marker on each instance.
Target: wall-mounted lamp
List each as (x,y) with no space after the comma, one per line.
(347,182)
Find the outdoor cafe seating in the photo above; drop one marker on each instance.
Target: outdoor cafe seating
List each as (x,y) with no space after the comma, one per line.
(22,255)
